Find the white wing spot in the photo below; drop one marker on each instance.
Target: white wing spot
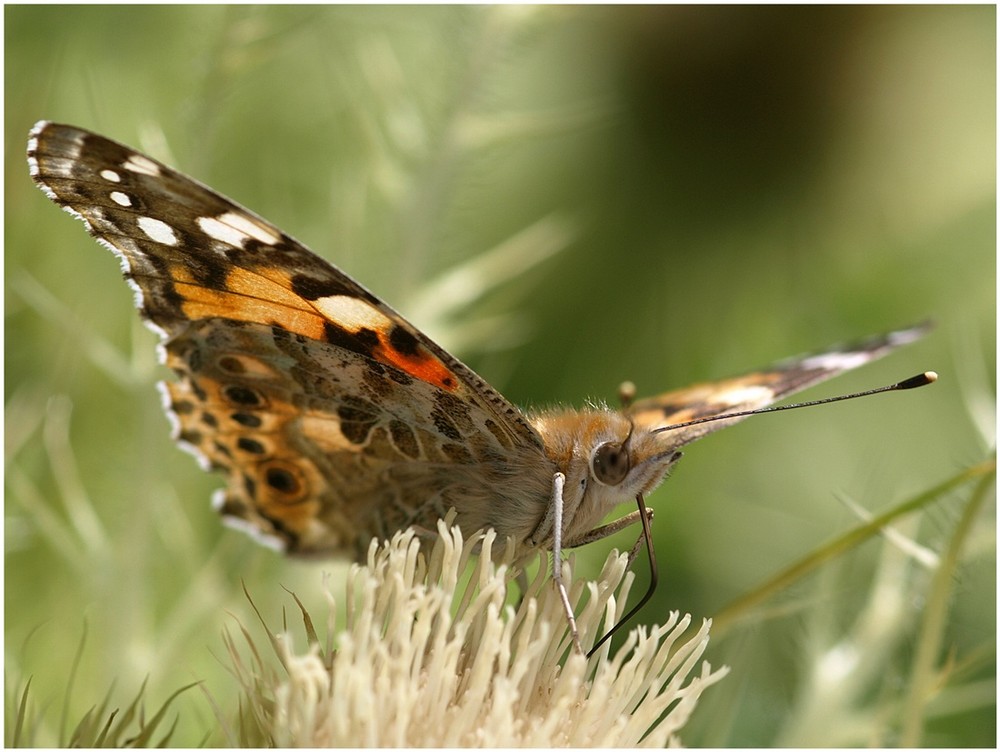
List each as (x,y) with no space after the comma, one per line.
(111,176)
(222,232)
(142,165)
(248,226)
(905,336)
(59,167)
(836,361)
(76,139)
(158,231)
(122,199)
(744,395)
(353,314)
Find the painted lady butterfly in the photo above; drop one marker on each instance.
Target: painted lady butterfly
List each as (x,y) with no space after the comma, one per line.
(333,418)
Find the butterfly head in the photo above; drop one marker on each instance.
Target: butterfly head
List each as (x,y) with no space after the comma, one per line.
(607,459)
(632,466)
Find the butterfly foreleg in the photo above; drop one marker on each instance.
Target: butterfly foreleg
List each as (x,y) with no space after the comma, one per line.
(558,482)
(613,527)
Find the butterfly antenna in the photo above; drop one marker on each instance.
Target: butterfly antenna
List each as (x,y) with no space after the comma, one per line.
(653,576)
(921,379)
(626,394)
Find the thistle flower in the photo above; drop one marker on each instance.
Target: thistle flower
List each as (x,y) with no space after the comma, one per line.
(429,660)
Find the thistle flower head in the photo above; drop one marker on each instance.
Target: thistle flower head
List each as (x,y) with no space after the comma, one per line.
(429,659)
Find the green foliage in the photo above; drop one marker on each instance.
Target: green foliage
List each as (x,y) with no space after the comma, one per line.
(100,726)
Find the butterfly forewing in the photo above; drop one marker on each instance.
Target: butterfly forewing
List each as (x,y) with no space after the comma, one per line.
(334,418)
(759,388)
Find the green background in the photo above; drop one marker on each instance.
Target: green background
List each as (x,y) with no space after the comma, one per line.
(724,187)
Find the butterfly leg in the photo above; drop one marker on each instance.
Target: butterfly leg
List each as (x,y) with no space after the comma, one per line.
(610,529)
(613,527)
(558,482)
(645,516)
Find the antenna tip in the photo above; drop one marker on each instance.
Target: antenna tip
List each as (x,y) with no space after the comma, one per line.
(626,393)
(921,379)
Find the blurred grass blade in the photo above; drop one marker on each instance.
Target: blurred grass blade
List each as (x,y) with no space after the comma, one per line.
(22,711)
(148,728)
(742,607)
(70,681)
(925,680)
(101,354)
(311,636)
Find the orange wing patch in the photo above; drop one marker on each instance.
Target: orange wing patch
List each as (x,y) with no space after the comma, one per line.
(246,297)
(342,320)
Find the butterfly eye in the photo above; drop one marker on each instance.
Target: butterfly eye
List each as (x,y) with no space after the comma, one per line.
(610,464)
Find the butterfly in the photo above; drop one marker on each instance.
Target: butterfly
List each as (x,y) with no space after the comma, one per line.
(334,420)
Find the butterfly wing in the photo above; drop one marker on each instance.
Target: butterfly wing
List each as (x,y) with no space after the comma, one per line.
(332,416)
(759,388)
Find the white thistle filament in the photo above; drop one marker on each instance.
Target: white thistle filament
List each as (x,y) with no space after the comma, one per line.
(427,661)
